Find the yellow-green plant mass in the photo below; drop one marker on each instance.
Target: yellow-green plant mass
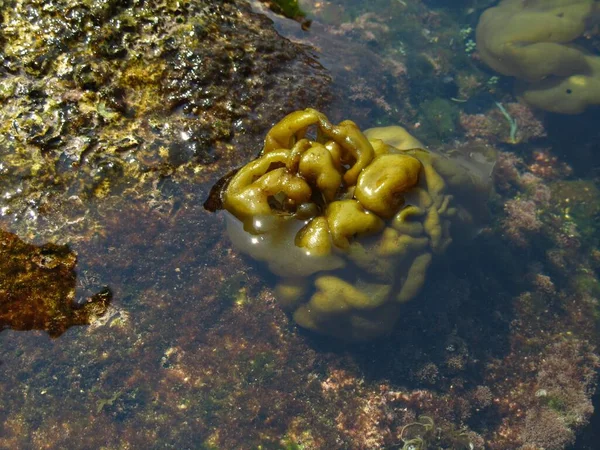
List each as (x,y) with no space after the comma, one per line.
(533,41)
(349,221)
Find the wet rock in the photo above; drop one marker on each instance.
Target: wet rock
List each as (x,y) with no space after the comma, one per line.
(141,89)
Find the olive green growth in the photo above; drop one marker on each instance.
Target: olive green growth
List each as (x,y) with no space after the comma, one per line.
(438,118)
(289,8)
(534,41)
(349,221)
(578,202)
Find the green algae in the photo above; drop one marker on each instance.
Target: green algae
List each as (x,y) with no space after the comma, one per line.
(289,8)
(261,368)
(578,201)
(107,402)
(424,434)
(439,118)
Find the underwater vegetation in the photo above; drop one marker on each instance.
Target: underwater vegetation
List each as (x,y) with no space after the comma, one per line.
(350,222)
(534,42)
(439,118)
(290,9)
(37,289)
(423,434)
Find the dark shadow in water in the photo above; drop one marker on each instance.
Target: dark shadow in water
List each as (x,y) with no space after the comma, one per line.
(576,140)
(588,438)
(458,324)
(38,288)
(464,303)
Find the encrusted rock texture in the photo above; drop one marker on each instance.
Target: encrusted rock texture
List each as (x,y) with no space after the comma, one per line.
(103,98)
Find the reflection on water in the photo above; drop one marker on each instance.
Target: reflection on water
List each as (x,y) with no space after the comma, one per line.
(116,120)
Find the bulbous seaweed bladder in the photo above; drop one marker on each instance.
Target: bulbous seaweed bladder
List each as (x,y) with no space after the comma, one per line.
(534,41)
(349,222)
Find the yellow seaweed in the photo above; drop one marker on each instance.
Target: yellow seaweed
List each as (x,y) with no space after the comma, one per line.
(532,41)
(350,222)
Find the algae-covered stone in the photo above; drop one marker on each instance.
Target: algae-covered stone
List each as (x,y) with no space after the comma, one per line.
(105,98)
(578,201)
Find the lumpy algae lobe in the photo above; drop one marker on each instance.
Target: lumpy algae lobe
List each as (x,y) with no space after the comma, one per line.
(534,42)
(348,221)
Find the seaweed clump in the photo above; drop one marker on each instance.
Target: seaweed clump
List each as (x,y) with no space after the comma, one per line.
(535,41)
(350,222)
(37,288)
(290,9)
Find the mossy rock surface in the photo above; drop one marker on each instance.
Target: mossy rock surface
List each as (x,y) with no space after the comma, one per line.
(103,98)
